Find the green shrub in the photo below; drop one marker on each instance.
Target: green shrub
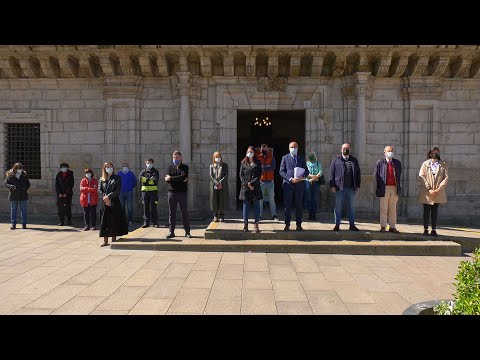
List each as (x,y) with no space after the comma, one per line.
(467,296)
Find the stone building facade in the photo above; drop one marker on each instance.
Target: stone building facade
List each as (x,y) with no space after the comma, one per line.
(98,103)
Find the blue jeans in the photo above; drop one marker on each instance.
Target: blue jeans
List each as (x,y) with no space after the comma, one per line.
(311,195)
(268,191)
(256,206)
(128,197)
(13,211)
(347,194)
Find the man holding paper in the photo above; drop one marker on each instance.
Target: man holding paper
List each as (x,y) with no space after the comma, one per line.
(293,170)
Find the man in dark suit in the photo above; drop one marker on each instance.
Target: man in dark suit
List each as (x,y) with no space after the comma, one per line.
(293,187)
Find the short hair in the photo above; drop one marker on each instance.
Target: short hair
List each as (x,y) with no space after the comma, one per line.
(88,170)
(150,159)
(176,152)
(64,165)
(262,145)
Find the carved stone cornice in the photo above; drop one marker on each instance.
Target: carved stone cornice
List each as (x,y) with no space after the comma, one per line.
(277,83)
(317,64)
(384,66)
(145,67)
(206,66)
(228,65)
(183,84)
(463,68)
(400,66)
(420,66)
(162,64)
(295,65)
(65,69)
(250,64)
(7,68)
(84,66)
(339,67)
(272,65)
(440,65)
(126,64)
(47,67)
(106,64)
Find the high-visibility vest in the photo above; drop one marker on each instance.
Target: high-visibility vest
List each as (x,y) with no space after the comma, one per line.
(148,185)
(269,174)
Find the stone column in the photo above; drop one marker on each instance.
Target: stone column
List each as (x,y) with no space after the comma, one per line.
(185,119)
(361,85)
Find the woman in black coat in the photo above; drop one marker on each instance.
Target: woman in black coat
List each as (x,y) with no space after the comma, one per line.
(250,191)
(114,223)
(18,183)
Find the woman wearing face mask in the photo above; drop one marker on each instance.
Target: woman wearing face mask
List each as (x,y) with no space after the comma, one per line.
(250,191)
(18,183)
(218,187)
(312,183)
(114,222)
(433,179)
(89,199)
(64,184)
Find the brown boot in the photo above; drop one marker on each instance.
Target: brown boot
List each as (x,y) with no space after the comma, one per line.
(245,227)
(255,228)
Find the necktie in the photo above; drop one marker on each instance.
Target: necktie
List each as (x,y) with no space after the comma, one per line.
(294,161)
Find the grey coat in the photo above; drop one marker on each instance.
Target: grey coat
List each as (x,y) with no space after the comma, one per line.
(223,179)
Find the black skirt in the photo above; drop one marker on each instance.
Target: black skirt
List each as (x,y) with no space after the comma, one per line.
(113,220)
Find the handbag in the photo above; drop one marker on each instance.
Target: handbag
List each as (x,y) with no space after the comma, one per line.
(322,180)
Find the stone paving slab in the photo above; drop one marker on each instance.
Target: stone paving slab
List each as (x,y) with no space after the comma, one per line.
(106,281)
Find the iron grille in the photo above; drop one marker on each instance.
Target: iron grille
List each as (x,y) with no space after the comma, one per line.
(22,142)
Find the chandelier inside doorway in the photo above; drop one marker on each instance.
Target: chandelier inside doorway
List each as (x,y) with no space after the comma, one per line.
(262,121)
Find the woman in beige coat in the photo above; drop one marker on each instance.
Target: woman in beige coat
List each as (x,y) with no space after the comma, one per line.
(433,179)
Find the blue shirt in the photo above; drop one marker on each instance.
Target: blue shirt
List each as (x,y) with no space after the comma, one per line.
(129,181)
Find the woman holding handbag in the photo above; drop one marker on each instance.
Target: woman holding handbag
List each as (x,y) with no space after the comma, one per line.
(313,181)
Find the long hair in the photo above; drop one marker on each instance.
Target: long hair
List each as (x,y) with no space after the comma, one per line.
(246,159)
(429,155)
(13,170)
(104,173)
(215,155)
(88,170)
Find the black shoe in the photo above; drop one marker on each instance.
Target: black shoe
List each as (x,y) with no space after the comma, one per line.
(69,222)
(393,230)
(24,226)
(187,235)
(145,225)
(425,232)
(299,228)
(336,228)
(61,224)
(433,233)
(353,228)
(287,228)
(13,227)
(170,235)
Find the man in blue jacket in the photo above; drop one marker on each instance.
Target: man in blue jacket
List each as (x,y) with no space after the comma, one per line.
(129,181)
(293,187)
(387,175)
(344,182)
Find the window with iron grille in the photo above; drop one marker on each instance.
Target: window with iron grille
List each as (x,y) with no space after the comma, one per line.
(22,144)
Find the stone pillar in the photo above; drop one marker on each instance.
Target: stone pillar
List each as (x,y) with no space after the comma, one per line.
(361,85)
(185,121)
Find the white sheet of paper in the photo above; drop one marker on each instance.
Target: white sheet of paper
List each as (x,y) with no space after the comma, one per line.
(298,172)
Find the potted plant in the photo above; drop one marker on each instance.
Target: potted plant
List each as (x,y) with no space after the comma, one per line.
(466,298)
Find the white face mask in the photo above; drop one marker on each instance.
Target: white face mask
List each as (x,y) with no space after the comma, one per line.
(218,160)
(19,171)
(109,170)
(88,175)
(390,154)
(293,150)
(149,165)
(250,154)
(63,169)
(125,169)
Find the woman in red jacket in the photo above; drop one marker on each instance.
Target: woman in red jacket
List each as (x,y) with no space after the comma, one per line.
(89,199)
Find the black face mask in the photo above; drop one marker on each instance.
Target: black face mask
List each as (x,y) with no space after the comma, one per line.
(264,152)
(435,156)
(346,152)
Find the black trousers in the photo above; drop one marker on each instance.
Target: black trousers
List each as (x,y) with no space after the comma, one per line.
(173,199)
(430,210)
(65,207)
(290,193)
(150,201)
(90,215)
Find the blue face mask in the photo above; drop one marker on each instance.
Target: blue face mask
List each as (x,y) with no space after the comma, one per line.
(177,162)
(149,165)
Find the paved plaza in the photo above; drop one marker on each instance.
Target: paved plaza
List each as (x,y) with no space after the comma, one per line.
(48,269)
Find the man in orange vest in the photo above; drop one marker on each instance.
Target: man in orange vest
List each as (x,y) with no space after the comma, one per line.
(267,183)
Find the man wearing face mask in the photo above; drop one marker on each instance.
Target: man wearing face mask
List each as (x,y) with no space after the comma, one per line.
(148,178)
(129,181)
(64,184)
(344,181)
(387,175)
(291,169)
(177,179)
(267,179)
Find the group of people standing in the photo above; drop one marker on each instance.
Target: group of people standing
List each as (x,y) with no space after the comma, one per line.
(301,181)
(300,184)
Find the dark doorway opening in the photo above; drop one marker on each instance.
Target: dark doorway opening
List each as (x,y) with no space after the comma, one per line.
(286,126)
